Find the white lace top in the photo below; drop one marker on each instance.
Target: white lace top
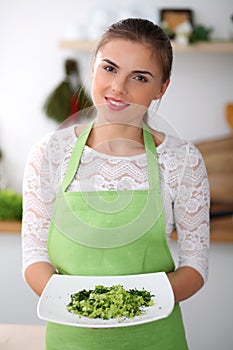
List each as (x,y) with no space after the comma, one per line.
(183,180)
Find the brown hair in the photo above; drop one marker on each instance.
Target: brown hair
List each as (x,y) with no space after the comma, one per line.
(146,32)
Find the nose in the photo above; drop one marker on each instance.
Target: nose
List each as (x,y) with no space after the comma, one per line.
(119,86)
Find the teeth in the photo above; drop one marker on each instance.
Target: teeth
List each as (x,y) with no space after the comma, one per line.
(118,104)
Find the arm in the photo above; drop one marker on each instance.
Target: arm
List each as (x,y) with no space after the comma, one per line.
(191,213)
(38,274)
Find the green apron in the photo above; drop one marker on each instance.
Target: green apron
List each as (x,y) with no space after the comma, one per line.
(131,240)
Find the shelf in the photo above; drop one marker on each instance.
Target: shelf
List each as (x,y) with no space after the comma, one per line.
(10,226)
(205,47)
(78,45)
(221,229)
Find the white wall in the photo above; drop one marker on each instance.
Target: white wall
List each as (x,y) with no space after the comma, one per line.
(31,64)
(207,315)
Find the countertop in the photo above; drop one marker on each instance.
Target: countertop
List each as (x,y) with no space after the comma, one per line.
(21,337)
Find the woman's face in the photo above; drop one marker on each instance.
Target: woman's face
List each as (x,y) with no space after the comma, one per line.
(126,74)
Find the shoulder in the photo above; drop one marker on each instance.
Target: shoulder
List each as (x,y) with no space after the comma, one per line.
(176,155)
(52,145)
(172,145)
(175,146)
(172,150)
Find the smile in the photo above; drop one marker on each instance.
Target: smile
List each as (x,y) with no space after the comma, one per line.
(116,104)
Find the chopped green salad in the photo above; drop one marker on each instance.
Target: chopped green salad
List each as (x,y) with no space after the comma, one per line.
(110,302)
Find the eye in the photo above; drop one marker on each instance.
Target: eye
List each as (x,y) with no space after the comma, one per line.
(141,78)
(109,69)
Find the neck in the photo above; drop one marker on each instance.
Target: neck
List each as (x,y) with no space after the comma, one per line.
(117,139)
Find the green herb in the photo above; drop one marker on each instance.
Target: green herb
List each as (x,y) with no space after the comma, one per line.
(110,302)
(10,205)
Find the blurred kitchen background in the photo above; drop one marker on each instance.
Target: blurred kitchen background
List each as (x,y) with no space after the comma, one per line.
(36,39)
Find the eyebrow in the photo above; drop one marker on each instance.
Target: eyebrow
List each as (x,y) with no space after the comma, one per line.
(135,71)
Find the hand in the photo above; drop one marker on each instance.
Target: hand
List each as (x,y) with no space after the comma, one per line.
(38,274)
(185,282)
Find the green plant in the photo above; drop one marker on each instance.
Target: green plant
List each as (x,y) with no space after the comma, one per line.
(67,99)
(200,33)
(10,205)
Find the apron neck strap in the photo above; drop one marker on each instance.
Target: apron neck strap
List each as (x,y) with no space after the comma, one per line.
(76,156)
(151,155)
(152,159)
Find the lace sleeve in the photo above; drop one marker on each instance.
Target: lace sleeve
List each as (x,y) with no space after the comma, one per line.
(36,219)
(44,170)
(191,213)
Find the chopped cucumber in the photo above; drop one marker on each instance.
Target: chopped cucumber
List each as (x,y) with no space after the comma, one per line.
(110,302)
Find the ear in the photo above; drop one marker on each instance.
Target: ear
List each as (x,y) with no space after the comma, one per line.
(163,89)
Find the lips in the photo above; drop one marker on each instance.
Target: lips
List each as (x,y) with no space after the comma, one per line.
(115,104)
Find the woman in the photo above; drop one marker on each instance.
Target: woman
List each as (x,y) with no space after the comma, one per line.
(78,171)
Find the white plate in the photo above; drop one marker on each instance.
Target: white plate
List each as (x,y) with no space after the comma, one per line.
(56,295)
